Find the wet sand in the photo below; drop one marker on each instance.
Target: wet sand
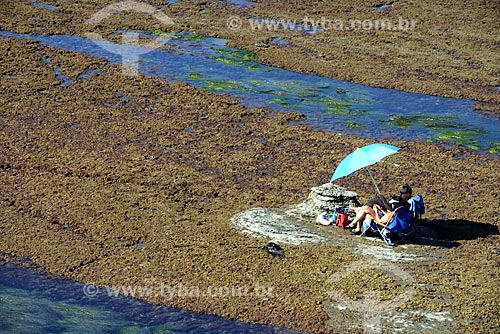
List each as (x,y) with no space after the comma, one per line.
(122,180)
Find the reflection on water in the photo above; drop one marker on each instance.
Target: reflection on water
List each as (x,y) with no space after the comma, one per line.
(329,104)
(243,3)
(33,304)
(380,8)
(43,5)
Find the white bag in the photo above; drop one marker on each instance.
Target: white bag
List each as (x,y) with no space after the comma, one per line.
(324,219)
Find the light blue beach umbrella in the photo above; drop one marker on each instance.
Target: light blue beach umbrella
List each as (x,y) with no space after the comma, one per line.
(363,157)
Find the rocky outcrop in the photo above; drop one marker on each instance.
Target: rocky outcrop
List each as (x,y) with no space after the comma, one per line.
(326,197)
(277,225)
(294,224)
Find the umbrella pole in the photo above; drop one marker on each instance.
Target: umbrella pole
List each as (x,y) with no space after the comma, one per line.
(375,183)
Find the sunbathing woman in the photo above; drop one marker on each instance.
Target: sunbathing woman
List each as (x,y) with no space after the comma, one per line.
(368,209)
(382,217)
(379,216)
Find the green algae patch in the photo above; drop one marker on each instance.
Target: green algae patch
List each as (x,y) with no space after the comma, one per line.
(353,125)
(225,85)
(346,111)
(179,35)
(282,101)
(330,102)
(256,83)
(462,138)
(473,147)
(236,58)
(194,76)
(159,32)
(306,94)
(335,106)
(459,136)
(401,121)
(234,62)
(434,123)
(494,148)
(278,100)
(241,54)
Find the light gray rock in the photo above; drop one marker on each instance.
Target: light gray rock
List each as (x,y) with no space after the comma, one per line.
(292,224)
(275,225)
(327,197)
(296,224)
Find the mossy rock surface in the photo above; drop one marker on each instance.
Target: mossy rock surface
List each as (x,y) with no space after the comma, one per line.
(91,170)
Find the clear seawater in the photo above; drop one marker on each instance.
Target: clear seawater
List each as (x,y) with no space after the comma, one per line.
(31,303)
(330,105)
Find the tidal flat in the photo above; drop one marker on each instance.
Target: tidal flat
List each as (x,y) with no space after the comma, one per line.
(132,180)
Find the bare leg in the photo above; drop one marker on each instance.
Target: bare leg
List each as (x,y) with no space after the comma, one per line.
(367,218)
(360,216)
(355,208)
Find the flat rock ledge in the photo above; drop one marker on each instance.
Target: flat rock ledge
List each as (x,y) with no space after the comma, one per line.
(295,224)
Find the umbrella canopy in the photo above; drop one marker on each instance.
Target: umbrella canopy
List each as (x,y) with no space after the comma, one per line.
(363,157)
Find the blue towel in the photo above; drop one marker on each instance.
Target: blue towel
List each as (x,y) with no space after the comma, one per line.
(417,207)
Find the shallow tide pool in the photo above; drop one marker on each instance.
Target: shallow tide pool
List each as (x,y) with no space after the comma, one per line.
(330,105)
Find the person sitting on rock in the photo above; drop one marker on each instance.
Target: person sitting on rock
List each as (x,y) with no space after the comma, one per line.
(368,209)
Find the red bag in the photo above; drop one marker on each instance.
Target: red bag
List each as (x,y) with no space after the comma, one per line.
(342,220)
